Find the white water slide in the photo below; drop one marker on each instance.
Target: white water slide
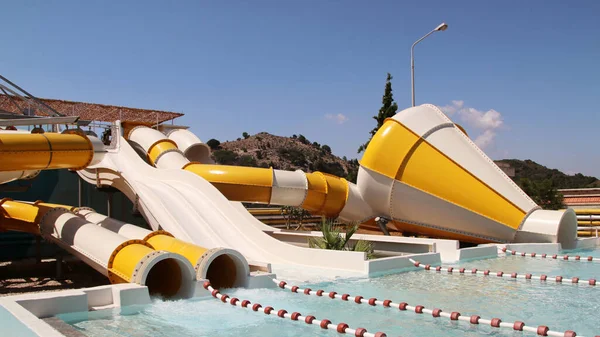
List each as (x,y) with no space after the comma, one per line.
(193,210)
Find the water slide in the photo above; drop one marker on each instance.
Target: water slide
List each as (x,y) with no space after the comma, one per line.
(228,268)
(193,210)
(438,182)
(122,252)
(23,154)
(420,170)
(121,259)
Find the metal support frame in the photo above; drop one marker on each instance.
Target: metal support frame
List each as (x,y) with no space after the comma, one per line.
(382,223)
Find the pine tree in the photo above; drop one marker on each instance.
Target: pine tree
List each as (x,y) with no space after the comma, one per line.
(388,110)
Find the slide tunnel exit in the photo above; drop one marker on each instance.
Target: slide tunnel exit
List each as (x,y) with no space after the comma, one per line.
(121,259)
(225,267)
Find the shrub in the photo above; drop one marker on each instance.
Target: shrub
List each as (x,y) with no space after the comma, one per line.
(303,139)
(326,148)
(333,168)
(333,240)
(295,156)
(225,157)
(352,174)
(247,161)
(245,135)
(213,144)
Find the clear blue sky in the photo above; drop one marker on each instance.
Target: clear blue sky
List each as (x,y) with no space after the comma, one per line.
(282,66)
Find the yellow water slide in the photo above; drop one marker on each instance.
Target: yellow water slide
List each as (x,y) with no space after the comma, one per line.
(317,192)
(225,267)
(423,172)
(121,259)
(420,171)
(23,155)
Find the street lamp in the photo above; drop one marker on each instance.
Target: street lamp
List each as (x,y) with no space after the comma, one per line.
(443,26)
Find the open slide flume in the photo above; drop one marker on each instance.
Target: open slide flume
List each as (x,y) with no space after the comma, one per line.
(193,210)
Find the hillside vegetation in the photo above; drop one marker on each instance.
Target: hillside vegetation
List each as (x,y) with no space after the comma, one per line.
(528,169)
(298,153)
(284,153)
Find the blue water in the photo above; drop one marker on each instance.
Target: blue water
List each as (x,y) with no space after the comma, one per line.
(559,306)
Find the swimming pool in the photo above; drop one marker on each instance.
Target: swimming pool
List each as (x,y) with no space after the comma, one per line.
(560,306)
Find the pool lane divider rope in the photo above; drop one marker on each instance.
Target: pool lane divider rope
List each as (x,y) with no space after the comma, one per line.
(541,330)
(576,258)
(527,276)
(326,324)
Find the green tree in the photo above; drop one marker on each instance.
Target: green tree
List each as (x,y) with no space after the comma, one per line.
(333,239)
(388,110)
(245,135)
(303,139)
(295,215)
(213,144)
(352,174)
(326,148)
(543,192)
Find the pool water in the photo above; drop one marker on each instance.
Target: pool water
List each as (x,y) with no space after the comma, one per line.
(561,307)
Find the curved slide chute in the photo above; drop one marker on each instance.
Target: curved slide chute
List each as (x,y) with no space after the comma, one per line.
(191,146)
(121,259)
(193,210)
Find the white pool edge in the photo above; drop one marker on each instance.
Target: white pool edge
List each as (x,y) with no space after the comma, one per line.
(27,311)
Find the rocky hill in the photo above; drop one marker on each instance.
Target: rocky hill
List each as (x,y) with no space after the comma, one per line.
(284,153)
(299,153)
(537,173)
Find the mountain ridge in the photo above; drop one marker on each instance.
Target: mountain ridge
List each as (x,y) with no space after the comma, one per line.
(298,153)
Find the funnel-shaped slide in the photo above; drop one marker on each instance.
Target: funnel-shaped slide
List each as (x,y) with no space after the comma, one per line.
(423,172)
(420,170)
(119,258)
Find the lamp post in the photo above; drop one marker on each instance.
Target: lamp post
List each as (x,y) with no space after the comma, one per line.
(443,26)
